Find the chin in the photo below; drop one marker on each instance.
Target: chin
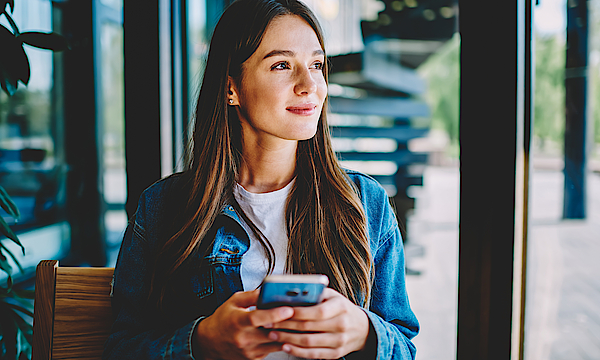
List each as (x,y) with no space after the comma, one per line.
(304,134)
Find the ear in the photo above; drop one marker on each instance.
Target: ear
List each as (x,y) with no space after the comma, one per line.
(232,92)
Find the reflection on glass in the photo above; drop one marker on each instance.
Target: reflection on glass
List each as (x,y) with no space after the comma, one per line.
(197,49)
(562,317)
(113,113)
(29,169)
(432,249)
(113,135)
(115,4)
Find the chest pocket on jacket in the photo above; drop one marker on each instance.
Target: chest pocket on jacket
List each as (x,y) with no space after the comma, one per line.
(202,282)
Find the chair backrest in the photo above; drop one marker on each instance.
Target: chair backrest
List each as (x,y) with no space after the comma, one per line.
(72,311)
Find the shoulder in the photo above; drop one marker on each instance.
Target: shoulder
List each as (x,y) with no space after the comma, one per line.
(381,218)
(368,188)
(160,200)
(163,187)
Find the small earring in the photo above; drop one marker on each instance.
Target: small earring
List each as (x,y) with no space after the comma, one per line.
(230,101)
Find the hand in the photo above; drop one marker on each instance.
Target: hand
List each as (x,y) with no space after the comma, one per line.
(338,328)
(234,332)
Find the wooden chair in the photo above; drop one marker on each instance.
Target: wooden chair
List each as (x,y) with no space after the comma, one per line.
(72,311)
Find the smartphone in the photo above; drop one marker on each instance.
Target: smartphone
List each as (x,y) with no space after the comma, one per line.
(291,290)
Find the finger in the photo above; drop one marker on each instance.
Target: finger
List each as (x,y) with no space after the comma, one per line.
(314,340)
(329,325)
(328,309)
(314,353)
(267,318)
(244,299)
(329,293)
(265,349)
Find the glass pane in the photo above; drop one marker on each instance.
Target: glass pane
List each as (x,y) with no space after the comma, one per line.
(562,316)
(432,249)
(115,4)
(197,37)
(32,168)
(113,121)
(394,102)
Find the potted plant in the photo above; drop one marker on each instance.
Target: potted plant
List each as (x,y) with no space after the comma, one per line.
(14,65)
(15,331)
(16,306)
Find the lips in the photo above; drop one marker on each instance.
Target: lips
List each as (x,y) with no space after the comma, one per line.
(303,109)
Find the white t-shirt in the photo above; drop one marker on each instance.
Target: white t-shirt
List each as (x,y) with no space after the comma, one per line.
(267,212)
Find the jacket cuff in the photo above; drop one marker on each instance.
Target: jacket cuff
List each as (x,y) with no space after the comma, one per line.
(180,345)
(388,341)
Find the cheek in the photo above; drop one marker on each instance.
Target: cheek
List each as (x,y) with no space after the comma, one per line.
(322,90)
(263,94)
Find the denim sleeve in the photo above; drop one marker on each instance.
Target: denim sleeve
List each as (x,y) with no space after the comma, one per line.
(389,312)
(137,332)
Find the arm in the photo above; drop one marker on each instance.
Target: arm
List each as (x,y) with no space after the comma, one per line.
(137,332)
(389,313)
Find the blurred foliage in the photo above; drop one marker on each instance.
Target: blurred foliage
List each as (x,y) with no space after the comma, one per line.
(16,310)
(15,332)
(595,67)
(14,64)
(442,74)
(549,97)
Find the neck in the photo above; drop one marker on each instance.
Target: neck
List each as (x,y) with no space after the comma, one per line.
(265,169)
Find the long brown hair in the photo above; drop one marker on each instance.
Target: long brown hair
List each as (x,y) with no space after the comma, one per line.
(325,220)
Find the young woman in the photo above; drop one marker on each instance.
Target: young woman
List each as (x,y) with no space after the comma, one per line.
(263,193)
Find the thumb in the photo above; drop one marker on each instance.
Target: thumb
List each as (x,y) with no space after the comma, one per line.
(245,299)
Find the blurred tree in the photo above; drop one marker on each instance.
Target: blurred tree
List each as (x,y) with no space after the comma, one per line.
(442,73)
(594,75)
(549,97)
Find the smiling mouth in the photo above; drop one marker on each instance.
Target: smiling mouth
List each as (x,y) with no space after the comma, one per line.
(303,109)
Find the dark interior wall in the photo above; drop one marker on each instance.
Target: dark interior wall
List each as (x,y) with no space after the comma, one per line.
(495,111)
(84,198)
(142,100)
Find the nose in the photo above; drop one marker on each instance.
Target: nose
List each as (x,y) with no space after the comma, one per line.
(305,83)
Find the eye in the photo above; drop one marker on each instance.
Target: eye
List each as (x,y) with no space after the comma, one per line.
(318,65)
(281,66)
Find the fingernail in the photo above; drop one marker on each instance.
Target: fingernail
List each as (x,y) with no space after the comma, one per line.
(268,326)
(287,348)
(273,335)
(287,312)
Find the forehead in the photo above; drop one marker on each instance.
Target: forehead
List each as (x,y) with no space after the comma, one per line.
(288,32)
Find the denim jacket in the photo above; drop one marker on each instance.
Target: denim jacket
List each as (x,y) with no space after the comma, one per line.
(208,278)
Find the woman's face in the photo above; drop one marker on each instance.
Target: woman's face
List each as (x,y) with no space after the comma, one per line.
(282,87)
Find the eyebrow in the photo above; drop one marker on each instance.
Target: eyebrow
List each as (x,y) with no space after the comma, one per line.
(290,53)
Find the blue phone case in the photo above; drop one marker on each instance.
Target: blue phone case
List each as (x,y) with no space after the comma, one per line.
(289,294)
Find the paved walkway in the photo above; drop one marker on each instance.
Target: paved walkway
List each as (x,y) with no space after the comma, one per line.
(563,296)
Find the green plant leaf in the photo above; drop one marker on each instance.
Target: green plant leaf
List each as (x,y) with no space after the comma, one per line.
(24,301)
(14,65)
(3,4)
(27,332)
(4,265)
(20,309)
(24,293)
(49,41)
(8,205)
(6,231)
(9,332)
(13,25)
(12,256)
